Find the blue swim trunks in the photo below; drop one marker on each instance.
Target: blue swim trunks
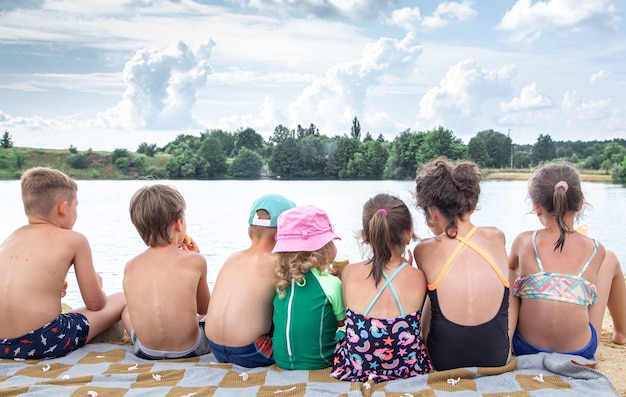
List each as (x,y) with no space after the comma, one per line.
(257,354)
(522,346)
(66,333)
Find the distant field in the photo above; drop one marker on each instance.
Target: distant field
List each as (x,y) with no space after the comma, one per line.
(523,176)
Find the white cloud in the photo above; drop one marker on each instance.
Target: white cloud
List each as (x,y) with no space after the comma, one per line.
(332,101)
(264,122)
(598,76)
(526,22)
(527,108)
(161,87)
(578,107)
(353,9)
(411,19)
(463,90)
(529,99)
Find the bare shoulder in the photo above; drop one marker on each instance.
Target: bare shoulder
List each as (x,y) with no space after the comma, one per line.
(493,232)
(423,246)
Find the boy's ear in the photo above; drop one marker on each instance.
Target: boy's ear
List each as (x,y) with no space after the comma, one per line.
(62,207)
(178,225)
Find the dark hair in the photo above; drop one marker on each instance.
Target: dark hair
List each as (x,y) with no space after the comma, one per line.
(546,189)
(386,219)
(453,189)
(153,209)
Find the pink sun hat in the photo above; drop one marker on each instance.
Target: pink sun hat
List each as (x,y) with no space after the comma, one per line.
(303,229)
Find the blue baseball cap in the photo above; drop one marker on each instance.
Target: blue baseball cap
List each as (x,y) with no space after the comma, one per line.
(274,204)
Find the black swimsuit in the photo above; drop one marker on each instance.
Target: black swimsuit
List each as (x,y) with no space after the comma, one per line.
(452,345)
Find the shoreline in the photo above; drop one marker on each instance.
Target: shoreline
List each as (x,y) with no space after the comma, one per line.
(524,176)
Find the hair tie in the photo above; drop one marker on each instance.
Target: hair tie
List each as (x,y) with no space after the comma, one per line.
(562,184)
(384,211)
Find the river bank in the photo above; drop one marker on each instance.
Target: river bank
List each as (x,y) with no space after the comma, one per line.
(523,176)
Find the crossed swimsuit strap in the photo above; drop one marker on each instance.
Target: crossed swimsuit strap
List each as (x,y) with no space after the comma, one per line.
(465,242)
(584,268)
(393,290)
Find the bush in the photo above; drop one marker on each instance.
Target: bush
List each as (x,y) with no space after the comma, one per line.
(78,161)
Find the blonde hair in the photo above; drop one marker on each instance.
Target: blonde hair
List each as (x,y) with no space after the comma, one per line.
(294,265)
(43,187)
(153,210)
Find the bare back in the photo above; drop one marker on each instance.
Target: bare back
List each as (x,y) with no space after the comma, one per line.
(241,303)
(34,261)
(551,324)
(470,292)
(359,290)
(166,289)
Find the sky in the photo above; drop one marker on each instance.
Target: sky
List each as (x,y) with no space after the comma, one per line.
(112,74)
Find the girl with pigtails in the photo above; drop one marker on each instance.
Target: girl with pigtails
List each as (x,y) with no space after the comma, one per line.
(383,297)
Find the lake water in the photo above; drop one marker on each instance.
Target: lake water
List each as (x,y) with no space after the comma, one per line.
(217,215)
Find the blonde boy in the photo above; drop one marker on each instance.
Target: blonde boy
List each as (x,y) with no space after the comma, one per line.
(239,320)
(166,285)
(34,261)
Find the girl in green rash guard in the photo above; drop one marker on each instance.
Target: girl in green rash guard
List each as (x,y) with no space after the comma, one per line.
(308,306)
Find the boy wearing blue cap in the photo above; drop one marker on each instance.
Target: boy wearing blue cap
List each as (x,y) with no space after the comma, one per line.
(239,319)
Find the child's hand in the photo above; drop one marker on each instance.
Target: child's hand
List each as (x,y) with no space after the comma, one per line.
(189,244)
(64,290)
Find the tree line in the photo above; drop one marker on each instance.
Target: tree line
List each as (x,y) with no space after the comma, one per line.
(305,153)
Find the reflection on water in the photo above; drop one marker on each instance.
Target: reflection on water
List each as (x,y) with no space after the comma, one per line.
(217,214)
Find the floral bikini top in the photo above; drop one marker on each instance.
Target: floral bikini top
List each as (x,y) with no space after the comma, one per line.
(557,286)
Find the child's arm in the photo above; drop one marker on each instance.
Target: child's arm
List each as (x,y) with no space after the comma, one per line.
(203,294)
(89,282)
(514,301)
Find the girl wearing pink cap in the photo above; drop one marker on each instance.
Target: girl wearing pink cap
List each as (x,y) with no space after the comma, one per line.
(308,306)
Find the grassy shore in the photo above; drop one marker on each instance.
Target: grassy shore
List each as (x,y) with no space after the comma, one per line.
(524,175)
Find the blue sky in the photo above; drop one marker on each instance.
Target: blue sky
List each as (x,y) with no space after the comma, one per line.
(112,74)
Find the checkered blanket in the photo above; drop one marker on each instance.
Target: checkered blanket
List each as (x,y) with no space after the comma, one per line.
(103,369)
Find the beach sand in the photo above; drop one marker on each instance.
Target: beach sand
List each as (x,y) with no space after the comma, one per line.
(611,357)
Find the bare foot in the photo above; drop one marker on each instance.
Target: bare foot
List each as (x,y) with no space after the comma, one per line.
(618,338)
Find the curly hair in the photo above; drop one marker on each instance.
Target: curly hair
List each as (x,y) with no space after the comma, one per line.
(294,265)
(453,189)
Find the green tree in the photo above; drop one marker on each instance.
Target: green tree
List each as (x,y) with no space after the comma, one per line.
(402,162)
(545,150)
(118,153)
(249,139)
(226,140)
(302,132)
(7,141)
(355,130)
(246,165)
(213,158)
(439,142)
(498,148)
(338,161)
(149,149)
(285,159)
(375,154)
(78,161)
(477,151)
(281,133)
(312,161)
(123,164)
